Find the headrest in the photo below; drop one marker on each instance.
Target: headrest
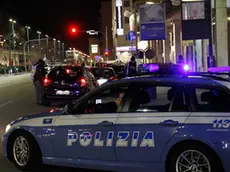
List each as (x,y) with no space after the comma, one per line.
(170,94)
(207,96)
(144,97)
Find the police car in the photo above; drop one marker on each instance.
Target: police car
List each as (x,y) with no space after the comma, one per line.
(173,123)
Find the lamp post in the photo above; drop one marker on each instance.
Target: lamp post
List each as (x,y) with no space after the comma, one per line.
(54,56)
(39,41)
(47,46)
(59,49)
(13,22)
(63,51)
(24,48)
(28,38)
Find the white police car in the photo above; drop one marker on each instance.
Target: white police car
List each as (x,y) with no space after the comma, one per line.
(148,123)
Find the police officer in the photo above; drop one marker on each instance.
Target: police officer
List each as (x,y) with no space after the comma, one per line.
(180,59)
(38,81)
(132,67)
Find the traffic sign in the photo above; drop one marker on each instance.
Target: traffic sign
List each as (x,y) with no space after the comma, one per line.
(131,36)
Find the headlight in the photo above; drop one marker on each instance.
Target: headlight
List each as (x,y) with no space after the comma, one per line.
(7,128)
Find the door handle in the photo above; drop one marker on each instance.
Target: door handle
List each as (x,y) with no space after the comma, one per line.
(106,123)
(169,122)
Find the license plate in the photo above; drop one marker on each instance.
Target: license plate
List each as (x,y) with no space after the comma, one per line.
(59,92)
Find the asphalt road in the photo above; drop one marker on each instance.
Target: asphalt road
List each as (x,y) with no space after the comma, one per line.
(17,98)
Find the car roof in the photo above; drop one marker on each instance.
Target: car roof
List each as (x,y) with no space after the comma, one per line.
(202,81)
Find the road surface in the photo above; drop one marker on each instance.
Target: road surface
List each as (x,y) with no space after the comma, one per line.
(17,98)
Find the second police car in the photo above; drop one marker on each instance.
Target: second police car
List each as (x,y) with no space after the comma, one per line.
(149,123)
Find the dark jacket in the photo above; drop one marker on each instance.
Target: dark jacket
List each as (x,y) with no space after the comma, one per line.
(132,68)
(40,73)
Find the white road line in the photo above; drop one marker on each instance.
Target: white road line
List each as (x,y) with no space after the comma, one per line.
(6,103)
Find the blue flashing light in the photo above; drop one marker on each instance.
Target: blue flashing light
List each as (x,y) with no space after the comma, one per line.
(186,68)
(153,68)
(164,68)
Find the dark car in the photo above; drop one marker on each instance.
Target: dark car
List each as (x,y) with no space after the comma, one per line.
(119,69)
(68,82)
(103,74)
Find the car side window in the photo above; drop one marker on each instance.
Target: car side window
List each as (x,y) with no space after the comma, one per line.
(209,100)
(108,101)
(159,99)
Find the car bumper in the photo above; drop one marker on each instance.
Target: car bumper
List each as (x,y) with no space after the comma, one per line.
(4,145)
(74,94)
(223,152)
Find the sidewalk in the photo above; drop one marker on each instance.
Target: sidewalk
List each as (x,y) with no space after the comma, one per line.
(14,74)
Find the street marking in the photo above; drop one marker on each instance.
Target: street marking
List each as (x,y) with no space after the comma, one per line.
(4,104)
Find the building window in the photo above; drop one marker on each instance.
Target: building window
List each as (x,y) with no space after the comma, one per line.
(126,20)
(126,3)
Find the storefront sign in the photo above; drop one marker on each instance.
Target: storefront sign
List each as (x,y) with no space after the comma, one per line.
(152,22)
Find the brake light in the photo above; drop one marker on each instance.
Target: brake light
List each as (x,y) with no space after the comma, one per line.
(83,82)
(112,78)
(67,71)
(47,82)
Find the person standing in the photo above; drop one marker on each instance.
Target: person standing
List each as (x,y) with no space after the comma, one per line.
(38,81)
(33,71)
(180,59)
(132,67)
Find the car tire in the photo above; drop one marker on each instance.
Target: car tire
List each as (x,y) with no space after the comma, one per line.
(29,150)
(197,154)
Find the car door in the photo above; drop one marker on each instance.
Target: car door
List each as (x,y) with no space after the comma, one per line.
(91,80)
(149,121)
(211,113)
(89,133)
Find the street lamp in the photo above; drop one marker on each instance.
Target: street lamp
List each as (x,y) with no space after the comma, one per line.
(47,46)
(54,56)
(59,48)
(39,41)
(28,38)
(63,50)
(13,22)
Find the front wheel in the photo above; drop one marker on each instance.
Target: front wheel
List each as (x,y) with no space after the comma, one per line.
(26,154)
(193,158)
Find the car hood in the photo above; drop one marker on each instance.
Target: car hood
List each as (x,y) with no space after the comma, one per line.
(50,113)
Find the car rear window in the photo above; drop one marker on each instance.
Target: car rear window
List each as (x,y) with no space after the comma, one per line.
(66,71)
(104,72)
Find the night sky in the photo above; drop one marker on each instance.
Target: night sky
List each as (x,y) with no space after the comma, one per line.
(55,17)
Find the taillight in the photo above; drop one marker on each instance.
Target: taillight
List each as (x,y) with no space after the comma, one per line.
(83,82)
(112,78)
(67,71)
(47,82)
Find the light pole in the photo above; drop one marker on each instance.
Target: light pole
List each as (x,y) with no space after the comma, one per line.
(59,49)
(39,41)
(54,56)
(24,48)
(13,34)
(28,38)
(47,46)
(63,51)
